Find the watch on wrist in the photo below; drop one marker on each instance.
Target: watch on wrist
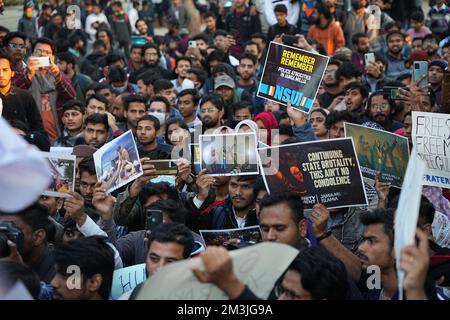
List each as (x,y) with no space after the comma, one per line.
(324,235)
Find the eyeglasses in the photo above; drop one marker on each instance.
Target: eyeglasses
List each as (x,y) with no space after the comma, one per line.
(290,295)
(17,46)
(381,106)
(151,54)
(39,51)
(209,110)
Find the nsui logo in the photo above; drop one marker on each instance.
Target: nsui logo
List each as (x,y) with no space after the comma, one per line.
(283,94)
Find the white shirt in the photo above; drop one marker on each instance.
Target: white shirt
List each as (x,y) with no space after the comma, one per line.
(240,221)
(90,20)
(133,16)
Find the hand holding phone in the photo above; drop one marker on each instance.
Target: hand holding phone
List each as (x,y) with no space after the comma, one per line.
(290,40)
(420,74)
(154,218)
(192,44)
(369,57)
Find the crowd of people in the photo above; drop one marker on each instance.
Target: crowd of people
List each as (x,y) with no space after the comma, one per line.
(107,72)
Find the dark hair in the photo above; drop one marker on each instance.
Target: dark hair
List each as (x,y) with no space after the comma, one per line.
(133,98)
(173,232)
(193,92)
(74,38)
(322,274)
(343,115)
(395,32)
(97,118)
(218,55)
(347,70)
(216,100)
(357,36)
(161,188)
(92,255)
(5,55)
(324,9)
(391,102)
(148,77)
(116,74)
(249,56)
(4,29)
(67,57)
(242,105)
(321,111)
(383,216)
(19,124)
(97,96)
(98,43)
(285,129)
(380,57)
(35,216)
(417,16)
(11,35)
(280,8)
(112,57)
(160,99)
(259,35)
(201,36)
(175,209)
(293,201)
(319,47)
(108,33)
(45,41)
(135,25)
(335,62)
(11,272)
(181,123)
(153,119)
(150,46)
(209,14)
(222,67)
(432,36)
(426,211)
(359,86)
(252,43)
(220,32)
(199,73)
(162,84)
(73,105)
(87,165)
(183,58)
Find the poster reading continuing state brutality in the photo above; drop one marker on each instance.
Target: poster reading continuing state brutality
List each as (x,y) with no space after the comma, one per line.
(292,73)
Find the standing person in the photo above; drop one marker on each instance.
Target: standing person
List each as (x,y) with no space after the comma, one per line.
(15,44)
(178,11)
(241,24)
(49,87)
(134,16)
(282,26)
(325,30)
(73,114)
(120,25)
(93,22)
(27,24)
(358,20)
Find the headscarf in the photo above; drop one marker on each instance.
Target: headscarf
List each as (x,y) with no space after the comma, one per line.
(269,121)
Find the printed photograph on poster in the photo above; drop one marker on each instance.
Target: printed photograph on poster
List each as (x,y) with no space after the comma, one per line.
(431,138)
(229,154)
(195,156)
(292,73)
(117,162)
(62,168)
(380,151)
(232,238)
(324,172)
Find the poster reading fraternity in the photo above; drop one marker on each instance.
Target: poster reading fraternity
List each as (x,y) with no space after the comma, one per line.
(324,172)
(431,138)
(292,73)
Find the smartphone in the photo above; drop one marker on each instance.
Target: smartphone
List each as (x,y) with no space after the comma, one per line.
(393,93)
(192,44)
(43,61)
(290,40)
(154,218)
(420,70)
(164,167)
(369,57)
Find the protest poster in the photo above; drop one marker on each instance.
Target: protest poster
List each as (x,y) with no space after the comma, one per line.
(257,266)
(324,172)
(62,169)
(232,238)
(380,151)
(292,73)
(407,212)
(441,230)
(117,162)
(431,138)
(195,155)
(229,154)
(127,279)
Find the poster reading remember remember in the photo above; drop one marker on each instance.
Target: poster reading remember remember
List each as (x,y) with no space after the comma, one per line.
(431,138)
(292,73)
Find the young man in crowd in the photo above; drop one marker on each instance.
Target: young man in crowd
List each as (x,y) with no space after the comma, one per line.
(73,115)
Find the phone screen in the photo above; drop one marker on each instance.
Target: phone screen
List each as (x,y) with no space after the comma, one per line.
(154,218)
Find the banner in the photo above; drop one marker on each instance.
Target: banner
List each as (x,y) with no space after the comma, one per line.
(292,73)
(380,151)
(127,279)
(229,154)
(232,238)
(257,266)
(117,162)
(431,138)
(324,172)
(62,168)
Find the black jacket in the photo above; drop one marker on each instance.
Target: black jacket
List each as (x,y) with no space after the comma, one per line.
(244,26)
